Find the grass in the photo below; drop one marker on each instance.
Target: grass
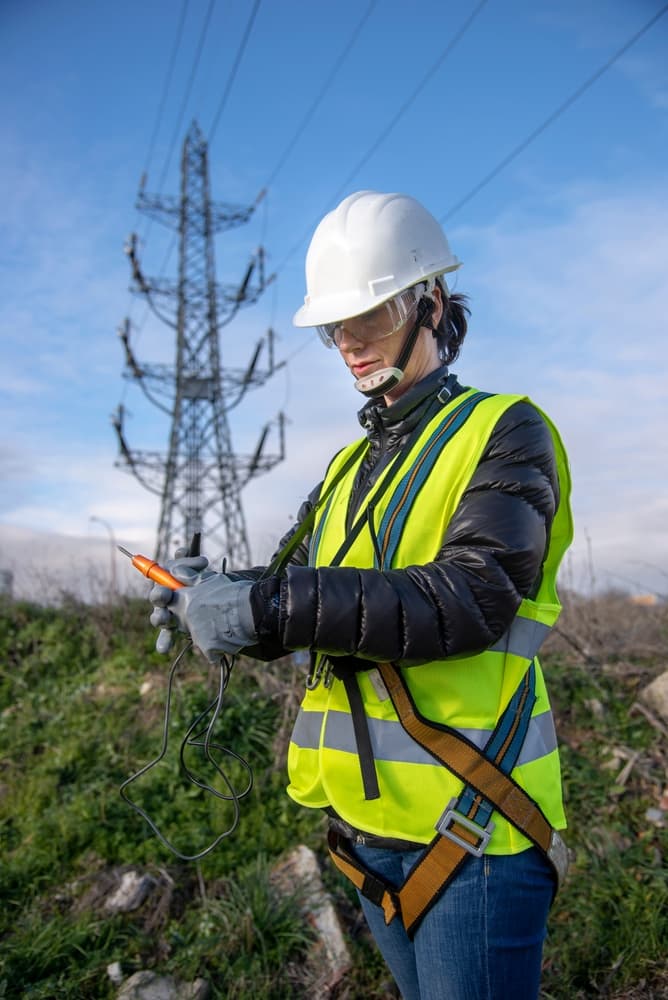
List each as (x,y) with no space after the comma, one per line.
(609,926)
(81,702)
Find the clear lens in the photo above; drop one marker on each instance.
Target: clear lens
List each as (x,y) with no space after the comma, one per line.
(375,324)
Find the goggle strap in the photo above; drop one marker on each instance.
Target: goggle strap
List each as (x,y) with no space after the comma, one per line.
(425,307)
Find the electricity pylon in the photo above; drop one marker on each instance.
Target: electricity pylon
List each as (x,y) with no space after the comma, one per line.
(200,479)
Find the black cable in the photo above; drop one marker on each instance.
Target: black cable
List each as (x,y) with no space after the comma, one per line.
(406,105)
(386,131)
(338,63)
(168,80)
(321,94)
(235,67)
(186,96)
(193,738)
(181,113)
(161,107)
(552,117)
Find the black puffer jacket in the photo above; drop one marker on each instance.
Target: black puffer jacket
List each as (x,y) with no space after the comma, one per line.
(461,602)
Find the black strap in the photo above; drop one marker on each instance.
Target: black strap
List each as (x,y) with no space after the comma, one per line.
(366,513)
(362,738)
(424,311)
(280,560)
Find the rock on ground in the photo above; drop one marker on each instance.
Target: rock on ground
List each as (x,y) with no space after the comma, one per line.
(147,985)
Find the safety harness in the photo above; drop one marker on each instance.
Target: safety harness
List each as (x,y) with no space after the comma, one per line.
(465,827)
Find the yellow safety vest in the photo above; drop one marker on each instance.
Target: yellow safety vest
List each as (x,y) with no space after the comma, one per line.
(469,692)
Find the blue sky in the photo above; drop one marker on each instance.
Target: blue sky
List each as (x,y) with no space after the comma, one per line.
(564,250)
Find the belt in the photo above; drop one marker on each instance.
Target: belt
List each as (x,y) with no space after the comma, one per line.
(361,838)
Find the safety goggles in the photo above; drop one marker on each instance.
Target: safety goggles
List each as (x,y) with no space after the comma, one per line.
(376,324)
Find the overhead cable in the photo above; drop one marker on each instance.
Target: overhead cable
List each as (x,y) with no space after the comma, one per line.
(338,63)
(161,107)
(233,72)
(552,117)
(186,95)
(165,90)
(386,131)
(406,105)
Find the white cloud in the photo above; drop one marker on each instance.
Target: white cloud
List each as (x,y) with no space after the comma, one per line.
(575,316)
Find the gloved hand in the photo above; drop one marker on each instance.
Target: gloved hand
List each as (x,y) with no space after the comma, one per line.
(215,610)
(188,569)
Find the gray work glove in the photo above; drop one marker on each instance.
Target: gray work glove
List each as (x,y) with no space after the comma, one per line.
(215,610)
(189,570)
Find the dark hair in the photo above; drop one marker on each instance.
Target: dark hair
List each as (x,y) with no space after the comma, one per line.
(453,324)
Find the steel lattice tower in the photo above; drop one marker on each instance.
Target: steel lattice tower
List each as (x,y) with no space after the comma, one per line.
(201,478)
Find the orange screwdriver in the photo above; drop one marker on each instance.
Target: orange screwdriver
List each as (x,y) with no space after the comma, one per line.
(153,570)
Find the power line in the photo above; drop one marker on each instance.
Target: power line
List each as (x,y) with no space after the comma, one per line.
(552,117)
(161,108)
(168,80)
(235,67)
(186,96)
(399,114)
(406,105)
(321,94)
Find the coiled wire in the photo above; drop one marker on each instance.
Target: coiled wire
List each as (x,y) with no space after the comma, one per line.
(197,737)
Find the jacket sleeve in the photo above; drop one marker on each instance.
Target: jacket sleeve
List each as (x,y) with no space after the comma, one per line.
(461,602)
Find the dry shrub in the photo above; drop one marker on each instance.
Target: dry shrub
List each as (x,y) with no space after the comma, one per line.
(610,627)
(282,681)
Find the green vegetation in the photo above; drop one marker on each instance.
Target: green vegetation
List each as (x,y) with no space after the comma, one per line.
(82,696)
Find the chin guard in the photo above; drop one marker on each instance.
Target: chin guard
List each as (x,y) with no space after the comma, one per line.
(379,382)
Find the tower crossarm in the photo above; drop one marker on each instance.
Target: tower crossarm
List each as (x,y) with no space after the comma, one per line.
(166,209)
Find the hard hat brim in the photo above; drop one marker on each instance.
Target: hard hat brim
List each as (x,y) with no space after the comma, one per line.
(336,308)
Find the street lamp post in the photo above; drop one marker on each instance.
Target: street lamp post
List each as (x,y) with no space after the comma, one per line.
(112,551)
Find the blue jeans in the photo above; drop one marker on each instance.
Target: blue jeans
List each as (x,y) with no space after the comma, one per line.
(482,940)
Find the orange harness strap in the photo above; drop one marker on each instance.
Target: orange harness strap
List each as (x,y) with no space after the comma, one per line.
(468,763)
(453,843)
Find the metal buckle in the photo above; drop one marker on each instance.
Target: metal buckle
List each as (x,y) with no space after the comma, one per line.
(321,672)
(483,833)
(558,855)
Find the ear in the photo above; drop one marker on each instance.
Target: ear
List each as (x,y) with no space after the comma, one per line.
(439,305)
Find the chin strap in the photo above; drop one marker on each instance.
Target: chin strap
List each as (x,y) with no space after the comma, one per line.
(385,379)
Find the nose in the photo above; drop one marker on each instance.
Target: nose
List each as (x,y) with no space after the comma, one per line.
(346,340)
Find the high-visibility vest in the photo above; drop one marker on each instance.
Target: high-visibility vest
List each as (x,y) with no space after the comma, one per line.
(405,522)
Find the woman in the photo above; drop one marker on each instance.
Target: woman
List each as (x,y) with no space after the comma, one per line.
(421,576)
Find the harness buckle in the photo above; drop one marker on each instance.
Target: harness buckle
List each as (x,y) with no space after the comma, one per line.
(452,815)
(320,672)
(558,855)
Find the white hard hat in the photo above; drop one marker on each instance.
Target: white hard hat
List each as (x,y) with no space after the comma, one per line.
(365,251)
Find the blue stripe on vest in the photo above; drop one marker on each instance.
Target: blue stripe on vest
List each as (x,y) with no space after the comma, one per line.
(429,453)
(315,537)
(511,729)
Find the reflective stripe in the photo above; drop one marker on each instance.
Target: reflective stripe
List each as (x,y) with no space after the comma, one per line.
(524,638)
(390,741)
(307,728)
